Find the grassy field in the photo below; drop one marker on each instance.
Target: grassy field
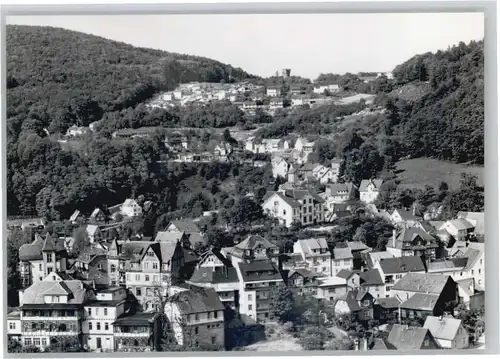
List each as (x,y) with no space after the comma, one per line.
(418,172)
(285,344)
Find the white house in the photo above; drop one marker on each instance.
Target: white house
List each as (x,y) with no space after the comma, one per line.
(460,228)
(177,95)
(93,233)
(280,167)
(369,190)
(402,217)
(273,91)
(325,174)
(130,208)
(303,144)
(320,90)
(167,96)
(99,315)
(342,260)
(289,206)
(449,332)
(315,252)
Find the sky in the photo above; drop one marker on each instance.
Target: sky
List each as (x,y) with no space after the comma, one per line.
(308,44)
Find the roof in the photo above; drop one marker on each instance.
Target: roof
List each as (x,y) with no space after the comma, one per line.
(338,188)
(75,215)
(129,202)
(197,300)
(14,315)
(92,229)
(186,225)
(374,257)
(35,293)
(254,240)
(259,270)
(388,303)
(467,285)
(407,338)
(421,301)
(406,215)
(342,253)
(331,281)
(95,212)
(31,251)
(311,244)
(402,265)
(472,256)
(345,274)
(461,224)
(352,298)
(303,273)
(382,344)
(134,250)
(136,319)
(447,264)
(290,201)
(476,218)
(357,246)
(51,244)
(363,187)
(214,275)
(444,328)
(169,237)
(422,283)
(103,303)
(370,277)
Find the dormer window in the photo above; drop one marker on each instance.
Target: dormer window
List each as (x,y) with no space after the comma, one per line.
(55,299)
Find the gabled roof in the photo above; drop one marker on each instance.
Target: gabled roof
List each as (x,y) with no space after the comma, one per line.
(51,244)
(345,274)
(32,251)
(445,328)
(357,246)
(476,218)
(382,344)
(402,265)
(35,293)
(214,275)
(303,273)
(290,201)
(342,253)
(75,215)
(461,224)
(370,277)
(374,257)
(377,183)
(407,338)
(406,215)
(92,229)
(447,265)
(388,303)
(472,256)
(134,250)
(421,301)
(340,188)
(169,237)
(197,300)
(96,212)
(309,245)
(422,283)
(259,270)
(253,240)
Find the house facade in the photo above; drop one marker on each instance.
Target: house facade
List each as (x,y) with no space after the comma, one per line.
(369,190)
(316,254)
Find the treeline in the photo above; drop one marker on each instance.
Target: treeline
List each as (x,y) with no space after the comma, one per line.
(58,77)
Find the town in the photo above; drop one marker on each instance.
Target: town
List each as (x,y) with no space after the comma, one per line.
(247,214)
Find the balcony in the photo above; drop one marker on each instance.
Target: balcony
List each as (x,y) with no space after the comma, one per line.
(49,333)
(133,334)
(46,318)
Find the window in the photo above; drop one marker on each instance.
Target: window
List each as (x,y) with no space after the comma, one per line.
(426,342)
(155,265)
(36,341)
(149,292)
(90,312)
(105,311)
(195,330)
(90,325)
(27,341)
(146,278)
(55,299)
(128,277)
(137,277)
(305,218)
(196,317)
(44,342)
(346,262)
(215,314)
(106,326)
(96,311)
(49,257)
(472,272)
(479,270)
(49,270)
(213,340)
(387,288)
(249,297)
(250,307)
(12,325)
(310,218)
(481,261)
(155,279)
(40,268)
(113,268)
(98,325)
(138,291)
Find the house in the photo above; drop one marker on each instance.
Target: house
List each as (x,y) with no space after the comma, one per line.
(98,216)
(303,145)
(53,298)
(223,150)
(331,288)
(273,91)
(412,241)
(449,332)
(302,173)
(303,282)
(394,269)
(434,293)
(258,279)
(131,133)
(324,174)
(350,278)
(386,309)
(469,295)
(475,264)
(405,338)
(91,264)
(41,257)
(190,228)
(476,219)
(275,145)
(359,251)
(93,233)
(276,104)
(404,218)
(197,314)
(77,217)
(460,229)
(342,259)
(130,208)
(14,330)
(254,247)
(358,302)
(374,257)
(137,332)
(369,190)
(75,131)
(316,254)
(372,282)
(99,315)
(294,206)
(339,193)
(320,90)
(280,166)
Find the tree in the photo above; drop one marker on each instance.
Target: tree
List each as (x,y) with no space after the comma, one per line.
(81,240)
(283,306)
(473,321)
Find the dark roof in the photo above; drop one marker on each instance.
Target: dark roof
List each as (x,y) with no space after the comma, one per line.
(110,290)
(370,277)
(259,270)
(31,251)
(388,303)
(345,274)
(51,244)
(214,275)
(290,201)
(402,264)
(409,235)
(51,306)
(303,273)
(407,215)
(136,319)
(422,283)
(382,344)
(253,240)
(197,300)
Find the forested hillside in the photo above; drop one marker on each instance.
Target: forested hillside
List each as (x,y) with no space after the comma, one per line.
(56,76)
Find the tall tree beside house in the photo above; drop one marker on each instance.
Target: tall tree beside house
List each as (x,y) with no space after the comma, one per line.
(81,240)
(468,197)
(473,321)
(283,306)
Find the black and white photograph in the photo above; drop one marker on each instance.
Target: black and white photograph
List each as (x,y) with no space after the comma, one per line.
(245,182)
